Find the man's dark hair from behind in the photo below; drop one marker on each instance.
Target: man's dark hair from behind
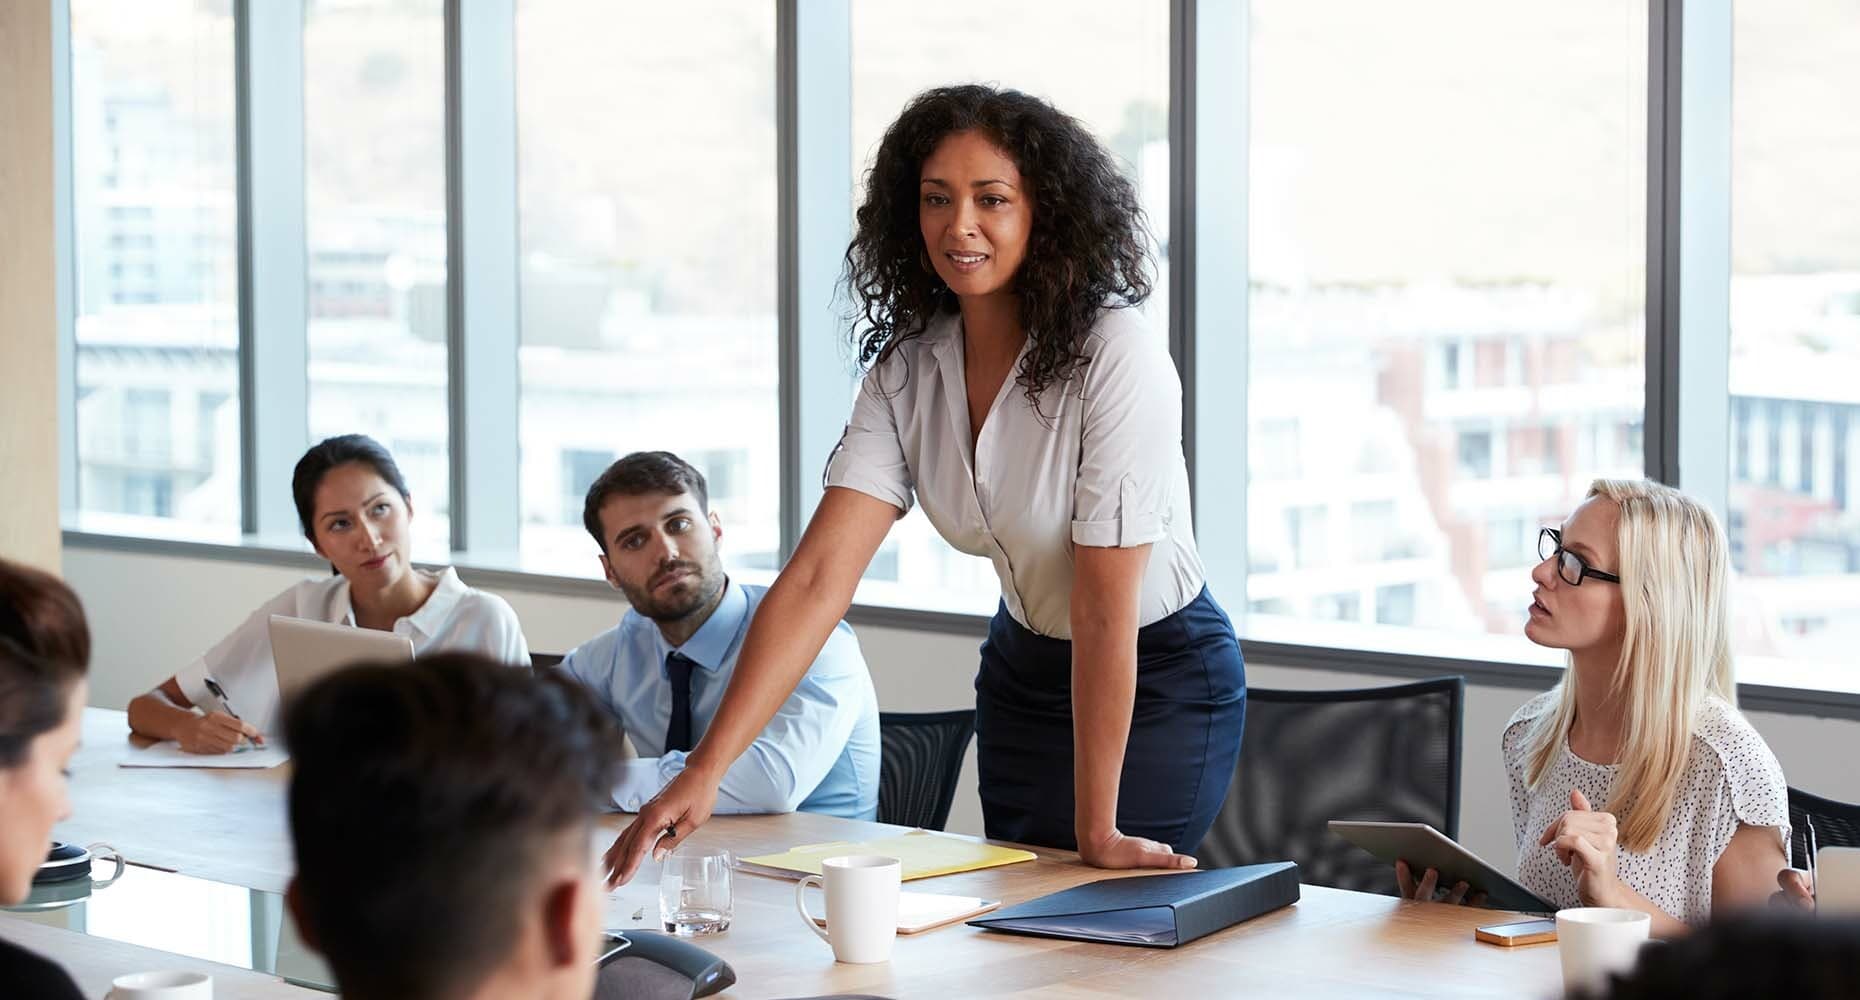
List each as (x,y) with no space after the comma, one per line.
(637,474)
(1777,952)
(426,802)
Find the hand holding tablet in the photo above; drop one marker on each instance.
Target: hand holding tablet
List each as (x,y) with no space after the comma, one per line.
(1423,847)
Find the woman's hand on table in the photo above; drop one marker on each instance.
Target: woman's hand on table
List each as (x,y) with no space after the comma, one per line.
(1115,850)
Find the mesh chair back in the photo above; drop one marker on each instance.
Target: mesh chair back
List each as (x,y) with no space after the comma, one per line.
(1308,757)
(543,661)
(1837,824)
(922,755)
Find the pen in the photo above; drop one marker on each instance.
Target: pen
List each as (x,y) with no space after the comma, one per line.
(1814,887)
(220,693)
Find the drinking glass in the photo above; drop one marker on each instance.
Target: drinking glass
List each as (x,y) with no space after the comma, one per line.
(695,896)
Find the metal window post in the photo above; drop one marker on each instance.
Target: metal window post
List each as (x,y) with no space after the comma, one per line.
(482,315)
(274,416)
(813,72)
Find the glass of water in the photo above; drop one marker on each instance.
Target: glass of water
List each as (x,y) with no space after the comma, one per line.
(695,895)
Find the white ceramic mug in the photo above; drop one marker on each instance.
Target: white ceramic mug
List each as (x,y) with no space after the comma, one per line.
(862,906)
(1594,941)
(162,986)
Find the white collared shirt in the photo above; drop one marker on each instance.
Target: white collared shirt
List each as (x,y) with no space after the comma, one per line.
(455,618)
(1100,464)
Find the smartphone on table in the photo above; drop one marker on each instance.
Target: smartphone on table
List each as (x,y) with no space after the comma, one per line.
(1538,931)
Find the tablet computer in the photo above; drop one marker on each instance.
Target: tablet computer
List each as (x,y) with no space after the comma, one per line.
(1424,847)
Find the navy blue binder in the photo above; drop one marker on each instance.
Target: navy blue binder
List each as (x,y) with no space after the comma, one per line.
(1156,911)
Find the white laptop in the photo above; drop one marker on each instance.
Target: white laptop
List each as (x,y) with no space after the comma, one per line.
(304,650)
(1837,879)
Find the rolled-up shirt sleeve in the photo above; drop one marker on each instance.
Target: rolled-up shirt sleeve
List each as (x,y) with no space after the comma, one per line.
(1131,442)
(241,664)
(870,457)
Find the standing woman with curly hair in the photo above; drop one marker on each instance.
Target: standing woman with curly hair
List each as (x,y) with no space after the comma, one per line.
(1014,391)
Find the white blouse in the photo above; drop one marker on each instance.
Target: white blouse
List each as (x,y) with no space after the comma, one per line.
(1100,464)
(454,618)
(1731,777)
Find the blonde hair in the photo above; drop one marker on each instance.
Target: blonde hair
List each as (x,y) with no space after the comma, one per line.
(1676,650)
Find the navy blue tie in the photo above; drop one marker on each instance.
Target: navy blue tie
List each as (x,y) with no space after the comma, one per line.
(678,731)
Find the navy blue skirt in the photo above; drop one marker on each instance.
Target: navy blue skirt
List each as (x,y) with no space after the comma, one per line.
(1184,730)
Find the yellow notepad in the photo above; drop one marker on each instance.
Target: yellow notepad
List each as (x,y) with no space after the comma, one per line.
(921,854)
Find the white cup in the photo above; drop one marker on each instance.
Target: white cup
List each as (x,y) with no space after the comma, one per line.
(1594,941)
(162,986)
(862,906)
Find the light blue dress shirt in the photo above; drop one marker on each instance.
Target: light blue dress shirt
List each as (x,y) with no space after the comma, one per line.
(819,753)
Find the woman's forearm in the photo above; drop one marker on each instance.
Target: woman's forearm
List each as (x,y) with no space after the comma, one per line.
(154,715)
(1665,925)
(793,622)
(1104,690)
(1106,587)
(790,627)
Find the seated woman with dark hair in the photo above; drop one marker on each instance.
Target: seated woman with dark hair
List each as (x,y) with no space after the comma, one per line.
(355,510)
(44,651)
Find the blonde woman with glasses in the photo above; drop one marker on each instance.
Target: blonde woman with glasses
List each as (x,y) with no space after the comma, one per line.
(1636,782)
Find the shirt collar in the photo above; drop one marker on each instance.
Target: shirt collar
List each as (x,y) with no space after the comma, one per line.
(944,334)
(427,620)
(432,615)
(714,640)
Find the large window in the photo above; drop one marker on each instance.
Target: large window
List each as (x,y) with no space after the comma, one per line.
(1446,204)
(1794,450)
(375,200)
(155,232)
(646,162)
(1416,290)
(1105,62)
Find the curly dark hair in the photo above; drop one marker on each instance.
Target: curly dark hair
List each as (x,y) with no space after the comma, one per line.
(1088,246)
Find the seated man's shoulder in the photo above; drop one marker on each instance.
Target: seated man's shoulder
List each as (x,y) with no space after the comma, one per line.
(597,650)
(842,646)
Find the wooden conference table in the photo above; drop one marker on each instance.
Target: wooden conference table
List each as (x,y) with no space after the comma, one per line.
(230,826)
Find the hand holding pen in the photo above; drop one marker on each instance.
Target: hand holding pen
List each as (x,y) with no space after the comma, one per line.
(219,732)
(1796,886)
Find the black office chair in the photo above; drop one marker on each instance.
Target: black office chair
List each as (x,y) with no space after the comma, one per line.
(1308,757)
(921,756)
(543,661)
(1837,824)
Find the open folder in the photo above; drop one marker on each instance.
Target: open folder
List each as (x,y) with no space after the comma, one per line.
(1159,911)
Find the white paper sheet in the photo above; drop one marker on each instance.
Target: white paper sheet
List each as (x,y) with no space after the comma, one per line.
(170,754)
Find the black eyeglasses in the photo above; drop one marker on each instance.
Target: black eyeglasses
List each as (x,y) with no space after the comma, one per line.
(1569,565)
